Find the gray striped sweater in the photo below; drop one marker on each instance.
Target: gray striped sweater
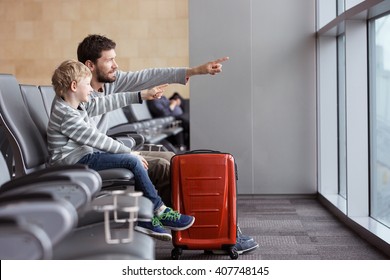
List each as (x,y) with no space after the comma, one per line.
(71,135)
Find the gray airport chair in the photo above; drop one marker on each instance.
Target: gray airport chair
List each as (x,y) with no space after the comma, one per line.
(37,223)
(30,154)
(31,224)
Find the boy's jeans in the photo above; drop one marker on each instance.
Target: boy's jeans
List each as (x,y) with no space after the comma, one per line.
(101,161)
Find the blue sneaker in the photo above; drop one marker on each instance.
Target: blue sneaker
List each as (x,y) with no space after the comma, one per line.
(242,246)
(245,245)
(242,236)
(175,221)
(153,229)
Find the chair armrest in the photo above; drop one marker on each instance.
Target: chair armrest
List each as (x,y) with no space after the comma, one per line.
(125,128)
(23,241)
(56,217)
(57,187)
(127,141)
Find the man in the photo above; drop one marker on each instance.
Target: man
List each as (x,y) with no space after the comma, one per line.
(98,54)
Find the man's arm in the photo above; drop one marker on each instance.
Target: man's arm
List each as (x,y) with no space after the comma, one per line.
(149,78)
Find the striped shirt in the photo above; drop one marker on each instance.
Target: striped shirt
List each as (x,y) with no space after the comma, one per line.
(71,135)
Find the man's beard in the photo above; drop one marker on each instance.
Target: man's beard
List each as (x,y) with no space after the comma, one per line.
(101,78)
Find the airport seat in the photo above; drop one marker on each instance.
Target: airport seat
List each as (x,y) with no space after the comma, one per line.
(31,224)
(27,230)
(169,126)
(141,113)
(6,150)
(38,225)
(15,234)
(118,124)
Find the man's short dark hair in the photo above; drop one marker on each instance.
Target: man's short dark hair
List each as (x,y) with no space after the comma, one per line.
(92,46)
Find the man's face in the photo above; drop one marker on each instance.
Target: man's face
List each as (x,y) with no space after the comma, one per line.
(106,67)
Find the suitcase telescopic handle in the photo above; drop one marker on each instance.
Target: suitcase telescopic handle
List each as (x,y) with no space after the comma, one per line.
(202,151)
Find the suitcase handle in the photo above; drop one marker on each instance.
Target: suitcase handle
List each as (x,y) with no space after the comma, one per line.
(202,151)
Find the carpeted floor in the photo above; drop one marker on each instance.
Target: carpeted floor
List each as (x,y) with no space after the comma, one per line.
(289,228)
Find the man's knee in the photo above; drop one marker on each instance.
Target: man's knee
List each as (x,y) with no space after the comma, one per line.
(158,165)
(160,155)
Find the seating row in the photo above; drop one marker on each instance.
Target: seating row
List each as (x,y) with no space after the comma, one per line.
(64,213)
(137,117)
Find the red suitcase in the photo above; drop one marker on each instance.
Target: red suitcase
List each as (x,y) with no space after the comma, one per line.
(204,185)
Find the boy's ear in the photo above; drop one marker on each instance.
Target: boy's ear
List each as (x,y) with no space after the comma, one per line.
(73,86)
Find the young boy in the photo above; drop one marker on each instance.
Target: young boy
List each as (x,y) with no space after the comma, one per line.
(73,139)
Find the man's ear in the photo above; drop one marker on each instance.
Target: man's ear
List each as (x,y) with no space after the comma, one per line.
(90,65)
(73,86)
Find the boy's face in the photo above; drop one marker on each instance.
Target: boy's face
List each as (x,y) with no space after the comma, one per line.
(106,67)
(84,89)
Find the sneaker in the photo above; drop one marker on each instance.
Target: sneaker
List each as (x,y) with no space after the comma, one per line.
(153,229)
(243,236)
(175,221)
(244,244)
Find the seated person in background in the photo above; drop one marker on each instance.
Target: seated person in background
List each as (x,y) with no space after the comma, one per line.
(72,138)
(172,107)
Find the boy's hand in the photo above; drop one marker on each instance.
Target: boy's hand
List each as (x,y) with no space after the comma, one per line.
(153,93)
(143,160)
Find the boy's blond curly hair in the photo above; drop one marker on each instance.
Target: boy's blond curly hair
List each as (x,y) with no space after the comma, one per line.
(69,71)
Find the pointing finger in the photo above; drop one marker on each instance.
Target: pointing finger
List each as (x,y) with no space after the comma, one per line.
(222,59)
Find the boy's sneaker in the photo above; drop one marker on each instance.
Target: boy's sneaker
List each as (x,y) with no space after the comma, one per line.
(175,221)
(154,229)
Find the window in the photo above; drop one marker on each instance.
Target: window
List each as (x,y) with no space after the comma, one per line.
(380,119)
(341,112)
(353,93)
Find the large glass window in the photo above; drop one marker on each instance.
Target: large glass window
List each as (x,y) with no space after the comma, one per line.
(341,113)
(380,119)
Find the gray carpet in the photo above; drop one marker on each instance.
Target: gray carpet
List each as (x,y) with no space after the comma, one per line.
(289,228)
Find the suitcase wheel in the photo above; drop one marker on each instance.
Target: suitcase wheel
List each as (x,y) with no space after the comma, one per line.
(176,253)
(233,253)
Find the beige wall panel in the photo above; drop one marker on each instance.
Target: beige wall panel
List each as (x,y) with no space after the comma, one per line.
(37,35)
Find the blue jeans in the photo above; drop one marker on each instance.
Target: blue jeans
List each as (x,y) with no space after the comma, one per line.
(101,161)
